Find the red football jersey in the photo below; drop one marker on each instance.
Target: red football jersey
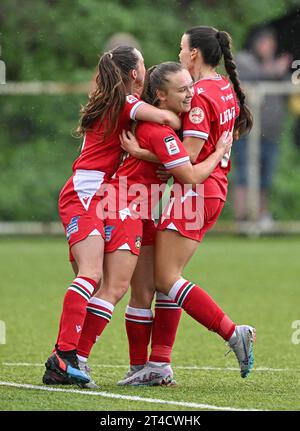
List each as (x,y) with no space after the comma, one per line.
(214,110)
(99,153)
(140,175)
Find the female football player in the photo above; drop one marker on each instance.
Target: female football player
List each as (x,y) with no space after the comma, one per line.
(110,108)
(170,86)
(214,109)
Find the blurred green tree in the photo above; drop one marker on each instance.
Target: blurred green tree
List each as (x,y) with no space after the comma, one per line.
(61,40)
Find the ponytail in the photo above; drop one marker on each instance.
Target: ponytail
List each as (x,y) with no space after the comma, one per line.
(108,99)
(157,79)
(244,121)
(214,44)
(148,94)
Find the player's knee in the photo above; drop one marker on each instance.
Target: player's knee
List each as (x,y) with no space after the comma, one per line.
(93,273)
(164,282)
(118,290)
(143,297)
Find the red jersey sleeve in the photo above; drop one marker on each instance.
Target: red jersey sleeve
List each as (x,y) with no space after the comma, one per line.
(197,122)
(168,148)
(131,106)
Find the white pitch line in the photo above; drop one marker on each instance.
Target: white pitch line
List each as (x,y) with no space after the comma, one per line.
(123,397)
(179,367)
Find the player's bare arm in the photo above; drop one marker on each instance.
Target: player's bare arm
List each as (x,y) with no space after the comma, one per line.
(193,147)
(148,112)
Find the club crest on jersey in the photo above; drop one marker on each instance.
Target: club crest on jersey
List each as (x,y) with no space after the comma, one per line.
(138,242)
(196,115)
(171,145)
(108,231)
(131,99)
(72,227)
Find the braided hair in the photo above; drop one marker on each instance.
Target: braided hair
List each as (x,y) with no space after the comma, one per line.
(214,45)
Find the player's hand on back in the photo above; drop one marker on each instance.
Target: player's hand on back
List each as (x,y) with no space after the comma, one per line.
(162,174)
(128,142)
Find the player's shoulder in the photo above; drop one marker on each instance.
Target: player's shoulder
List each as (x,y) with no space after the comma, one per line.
(131,99)
(204,88)
(154,129)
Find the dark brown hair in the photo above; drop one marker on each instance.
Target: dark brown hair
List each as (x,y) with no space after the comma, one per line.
(108,99)
(214,44)
(157,79)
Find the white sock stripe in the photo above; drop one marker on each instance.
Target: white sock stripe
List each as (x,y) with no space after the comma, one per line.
(102,303)
(106,314)
(98,310)
(169,306)
(161,296)
(176,287)
(184,293)
(85,283)
(84,295)
(142,312)
(138,321)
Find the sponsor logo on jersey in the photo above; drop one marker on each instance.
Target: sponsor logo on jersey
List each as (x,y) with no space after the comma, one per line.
(196,115)
(228,97)
(171,145)
(227,115)
(138,242)
(108,232)
(72,227)
(200,90)
(131,99)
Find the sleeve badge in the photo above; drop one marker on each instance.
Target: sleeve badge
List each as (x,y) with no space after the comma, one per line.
(171,145)
(196,115)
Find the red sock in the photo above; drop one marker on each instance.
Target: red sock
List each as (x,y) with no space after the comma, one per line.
(138,323)
(166,321)
(99,313)
(74,311)
(199,305)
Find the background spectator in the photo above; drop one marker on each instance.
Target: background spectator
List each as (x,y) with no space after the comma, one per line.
(261,63)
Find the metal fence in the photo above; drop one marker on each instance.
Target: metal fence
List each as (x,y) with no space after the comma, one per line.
(255,93)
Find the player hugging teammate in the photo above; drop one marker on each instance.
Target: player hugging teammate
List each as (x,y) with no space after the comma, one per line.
(136,251)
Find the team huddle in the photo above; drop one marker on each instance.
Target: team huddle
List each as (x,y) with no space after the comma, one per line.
(175,120)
